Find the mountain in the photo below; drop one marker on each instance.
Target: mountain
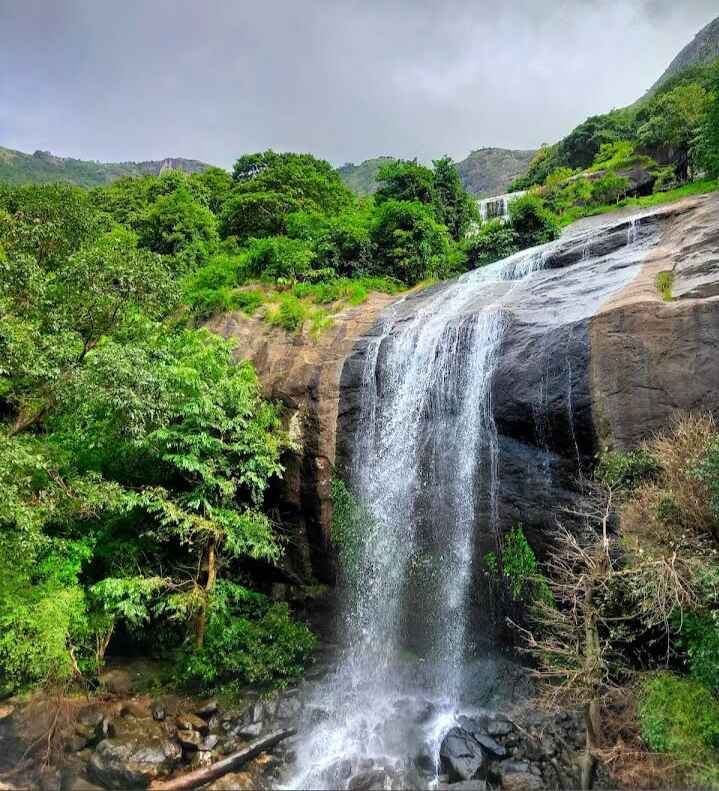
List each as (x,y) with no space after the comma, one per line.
(485,172)
(42,167)
(703,49)
(490,171)
(362,178)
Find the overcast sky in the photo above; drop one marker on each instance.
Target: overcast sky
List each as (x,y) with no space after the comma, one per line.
(345,80)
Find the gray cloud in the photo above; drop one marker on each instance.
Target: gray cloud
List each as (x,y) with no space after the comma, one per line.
(345,80)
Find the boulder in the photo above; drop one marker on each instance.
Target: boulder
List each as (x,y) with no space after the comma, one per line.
(461,755)
(133,761)
(518,776)
(207,708)
(191,722)
(190,740)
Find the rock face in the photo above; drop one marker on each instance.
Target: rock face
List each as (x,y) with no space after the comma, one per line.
(592,357)
(304,374)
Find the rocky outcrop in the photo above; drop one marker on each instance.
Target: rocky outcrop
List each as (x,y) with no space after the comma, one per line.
(592,357)
(303,372)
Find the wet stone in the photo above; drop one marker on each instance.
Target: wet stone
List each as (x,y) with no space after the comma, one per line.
(461,754)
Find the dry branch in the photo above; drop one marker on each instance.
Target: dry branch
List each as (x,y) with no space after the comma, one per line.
(202,776)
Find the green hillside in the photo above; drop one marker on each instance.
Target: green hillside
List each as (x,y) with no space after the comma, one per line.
(42,167)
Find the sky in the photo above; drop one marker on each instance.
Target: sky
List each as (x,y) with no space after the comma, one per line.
(344,80)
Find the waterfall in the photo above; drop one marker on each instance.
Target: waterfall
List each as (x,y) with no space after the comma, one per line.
(497,207)
(422,460)
(425,469)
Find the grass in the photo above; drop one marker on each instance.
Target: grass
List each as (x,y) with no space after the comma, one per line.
(286,306)
(665,281)
(648,201)
(680,717)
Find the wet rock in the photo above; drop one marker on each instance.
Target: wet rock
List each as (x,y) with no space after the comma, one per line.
(210,742)
(75,743)
(118,681)
(133,761)
(461,755)
(190,740)
(479,728)
(372,780)
(191,722)
(132,708)
(236,781)
(517,776)
(75,782)
(251,731)
(207,708)
(288,708)
(50,780)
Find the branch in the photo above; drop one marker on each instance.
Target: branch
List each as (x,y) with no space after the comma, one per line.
(202,776)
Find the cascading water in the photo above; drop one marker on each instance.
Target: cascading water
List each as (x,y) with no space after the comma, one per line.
(424,466)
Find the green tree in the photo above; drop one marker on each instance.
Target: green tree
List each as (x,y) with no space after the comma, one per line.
(256,214)
(410,244)
(708,142)
(176,223)
(403,180)
(532,221)
(673,122)
(455,207)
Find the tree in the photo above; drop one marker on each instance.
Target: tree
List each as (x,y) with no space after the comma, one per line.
(532,221)
(673,122)
(176,223)
(455,207)
(410,244)
(216,183)
(708,143)
(309,182)
(255,214)
(403,180)
(54,319)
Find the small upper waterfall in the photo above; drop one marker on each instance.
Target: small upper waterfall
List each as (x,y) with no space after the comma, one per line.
(425,468)
(497,207)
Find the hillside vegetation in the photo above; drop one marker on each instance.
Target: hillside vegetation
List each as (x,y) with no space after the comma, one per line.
(44,168)
(485,172)
(662,143)
(136,456)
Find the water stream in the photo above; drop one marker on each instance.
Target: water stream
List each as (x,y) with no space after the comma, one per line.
(424,469)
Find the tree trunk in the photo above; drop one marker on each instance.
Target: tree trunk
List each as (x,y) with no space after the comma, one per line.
(203,776)
(201,620)
(592,710)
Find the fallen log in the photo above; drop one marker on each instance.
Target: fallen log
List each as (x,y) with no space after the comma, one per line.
(202,776)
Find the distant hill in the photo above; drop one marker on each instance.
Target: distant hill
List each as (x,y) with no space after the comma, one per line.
(42,167)
(362,178)
(490,171)
(485,172)
(703,49)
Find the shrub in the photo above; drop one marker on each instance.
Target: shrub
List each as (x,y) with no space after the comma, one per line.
(352,526)
(519,568)
(290,314)
(610,188)
(410,244)
(494,241)
(698,636)
(278,257)
(532,221)
(679,716)
(249,640)
(665,281)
